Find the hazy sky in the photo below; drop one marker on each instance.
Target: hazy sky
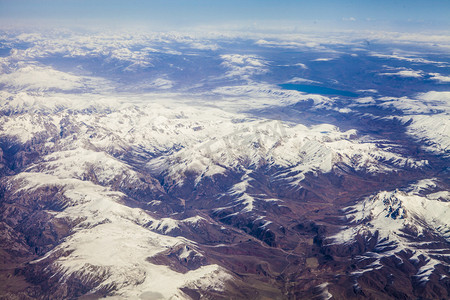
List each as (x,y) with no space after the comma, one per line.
(172,14)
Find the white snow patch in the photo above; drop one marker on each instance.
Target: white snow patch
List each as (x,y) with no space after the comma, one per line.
(405,73)
(325,294)
(324,59)
(301,80)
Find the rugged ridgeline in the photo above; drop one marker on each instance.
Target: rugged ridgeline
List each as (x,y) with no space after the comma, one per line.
(168,200)
(174,166)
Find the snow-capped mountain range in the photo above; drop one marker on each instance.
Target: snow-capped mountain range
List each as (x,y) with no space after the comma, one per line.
(168,166)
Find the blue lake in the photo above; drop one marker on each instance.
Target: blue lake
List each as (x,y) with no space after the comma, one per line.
(313,89)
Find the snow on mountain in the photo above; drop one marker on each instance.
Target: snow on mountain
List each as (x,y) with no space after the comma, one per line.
(243,65)
(166,225)
(401,220)
(259,95)
(85,164)
(189,139)
(133,51)
(84,158)
(405,73)
(439,77)
(427,116)
(41,78)
(411,57)
(111,242)
(53,102)
(155,165)
(433,129)
(298,149)
(389,212)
